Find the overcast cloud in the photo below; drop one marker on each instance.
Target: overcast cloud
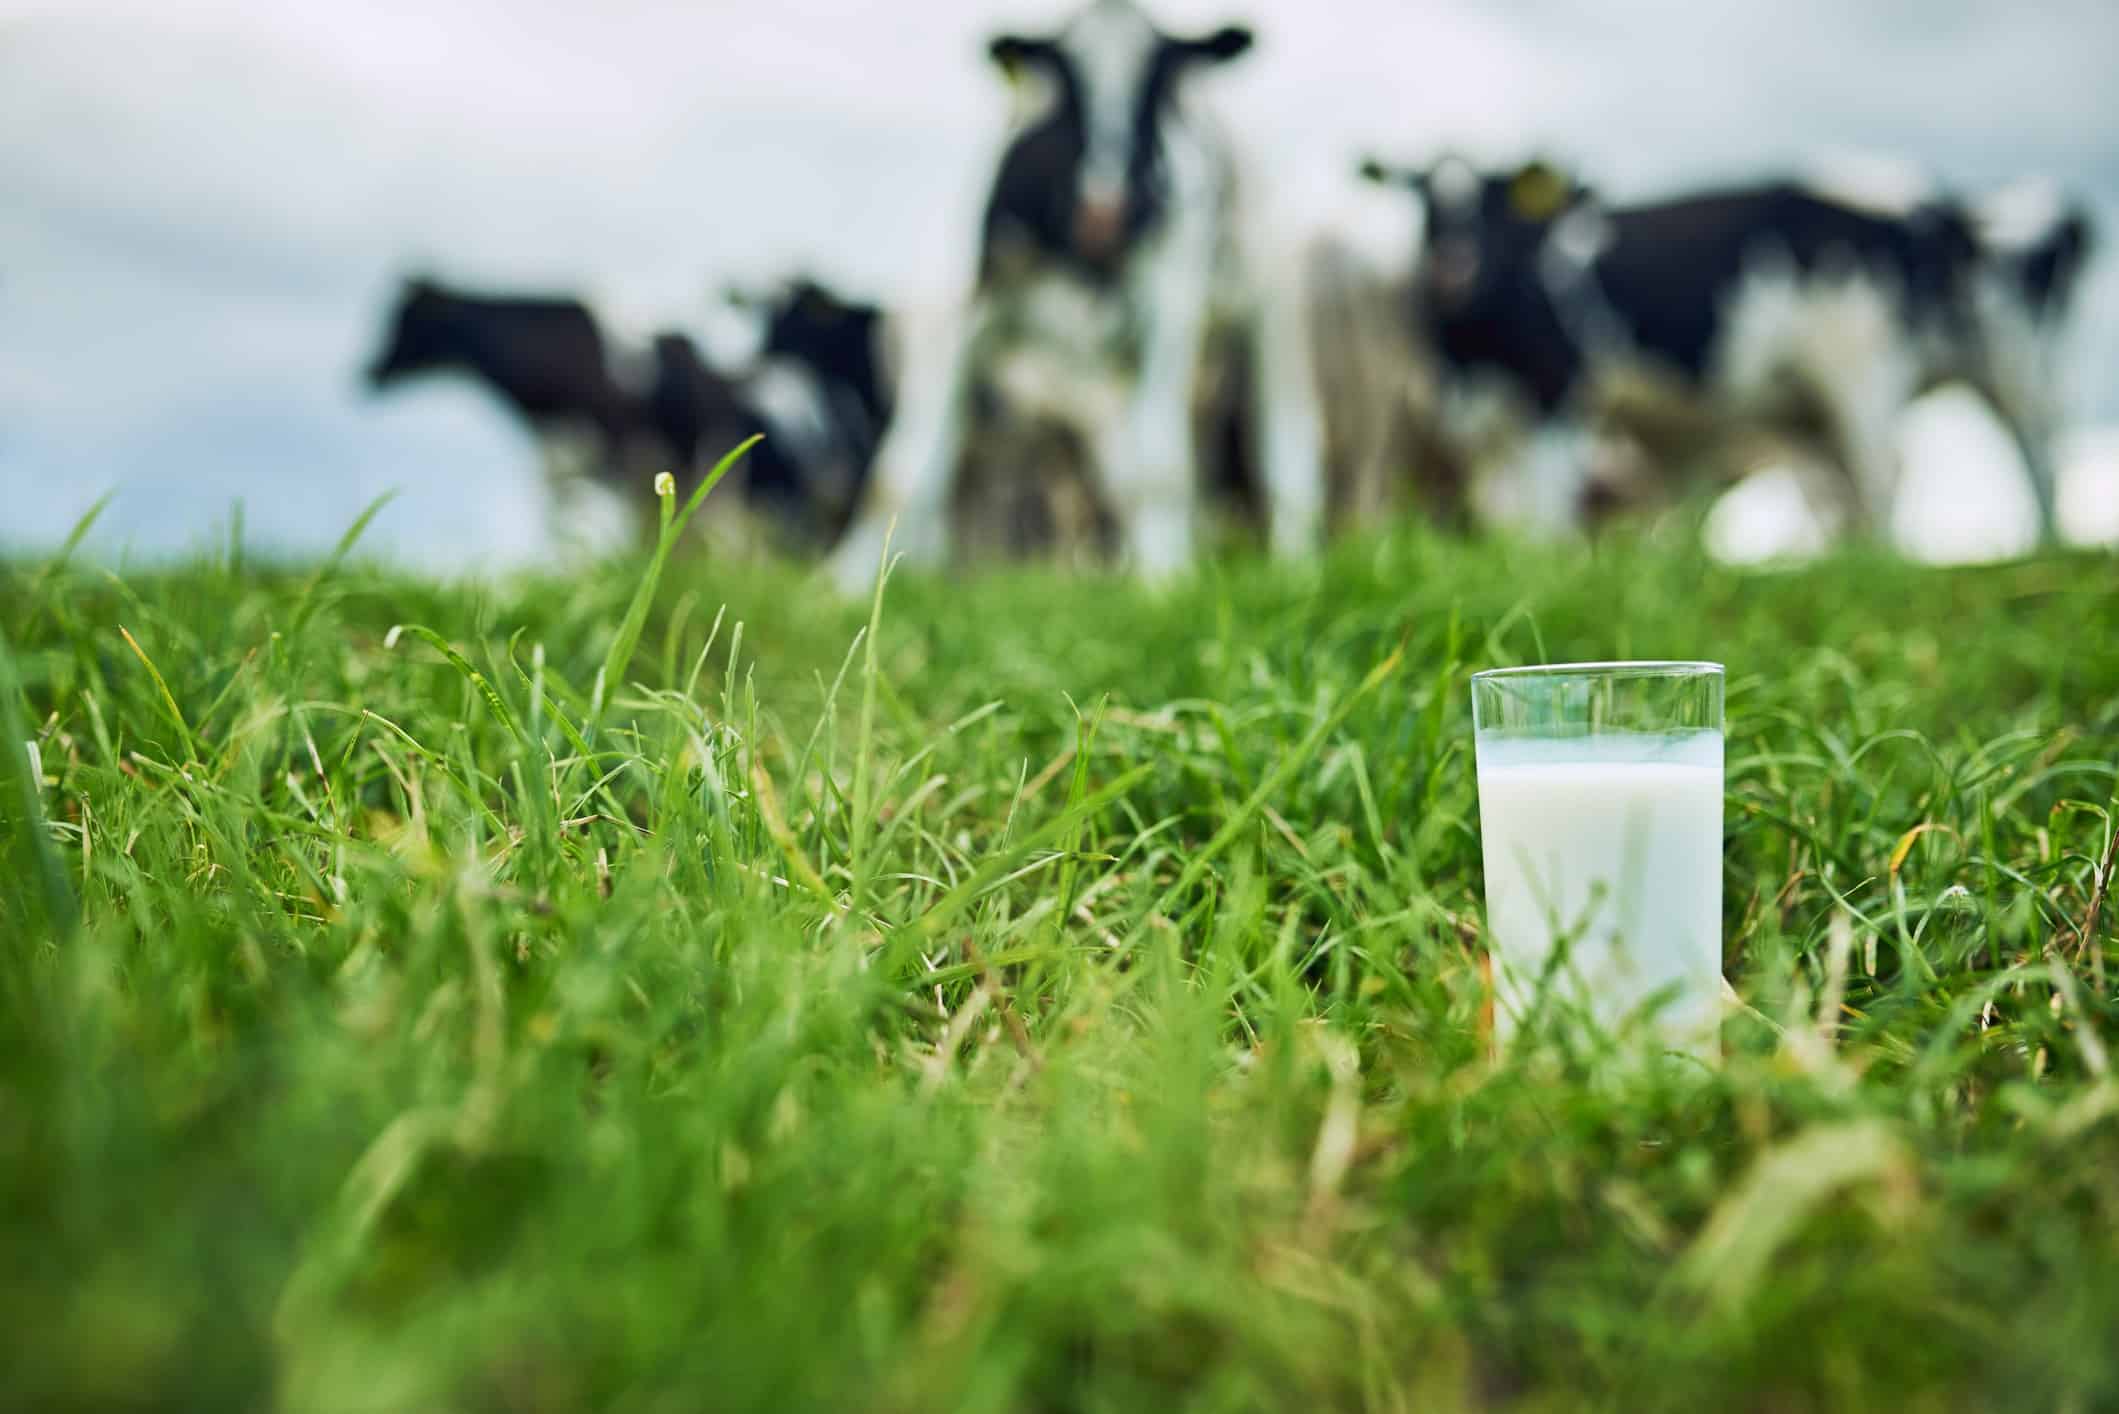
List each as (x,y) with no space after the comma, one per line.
(204,204)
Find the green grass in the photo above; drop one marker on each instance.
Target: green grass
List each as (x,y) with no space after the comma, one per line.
(1065,998)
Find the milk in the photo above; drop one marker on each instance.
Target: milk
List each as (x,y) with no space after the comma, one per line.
(1614,844)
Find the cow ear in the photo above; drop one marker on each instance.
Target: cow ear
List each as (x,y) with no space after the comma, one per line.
(1014,52)
(813,304)
(1224,44)
(2078,233)
(1383,174)
(1540,192)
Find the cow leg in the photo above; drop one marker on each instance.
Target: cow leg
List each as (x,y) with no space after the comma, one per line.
(2016,375)
(583,487)
(1555,472)
(1290,423)
(1841,341)
(2041,465)
(2033,428)
(1862,409)
(1147,463)
(916,464)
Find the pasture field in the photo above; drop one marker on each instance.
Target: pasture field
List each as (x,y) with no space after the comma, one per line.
(1062,997)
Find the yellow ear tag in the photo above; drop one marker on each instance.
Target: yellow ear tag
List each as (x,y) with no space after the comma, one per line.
(1537,193)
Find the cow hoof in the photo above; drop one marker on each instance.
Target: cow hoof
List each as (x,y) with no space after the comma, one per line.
(853,568)
(1295,542)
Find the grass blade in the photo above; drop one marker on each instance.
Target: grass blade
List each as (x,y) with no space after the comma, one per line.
(627,638)
(35,887)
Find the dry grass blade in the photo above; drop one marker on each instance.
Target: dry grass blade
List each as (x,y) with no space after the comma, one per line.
(1018,1034)
(169,701)
(2086,935)
(1333,1153)
(1839,947)
(790,848)
(1906,841)
(2086,1037)
(1726,1262)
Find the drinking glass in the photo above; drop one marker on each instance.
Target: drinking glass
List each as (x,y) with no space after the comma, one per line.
(1600,812)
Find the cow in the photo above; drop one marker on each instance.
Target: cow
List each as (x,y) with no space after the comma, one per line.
(1111,249)
(822,378)
(597,410)
(1779,305)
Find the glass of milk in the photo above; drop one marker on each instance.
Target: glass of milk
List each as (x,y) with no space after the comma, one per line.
(1600,806)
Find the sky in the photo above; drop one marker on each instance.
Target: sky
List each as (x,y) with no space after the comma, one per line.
(205,205)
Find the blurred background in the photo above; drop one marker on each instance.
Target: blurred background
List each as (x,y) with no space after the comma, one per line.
(207,205)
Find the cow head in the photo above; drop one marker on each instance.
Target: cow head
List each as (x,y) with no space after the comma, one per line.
(1114,78)
(815,325)
(1489,234)
(2038,241)
(2056,263)
(824,333)
(418,340)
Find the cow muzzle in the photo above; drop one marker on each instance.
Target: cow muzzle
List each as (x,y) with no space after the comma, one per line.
(1099,228)
(1453,270)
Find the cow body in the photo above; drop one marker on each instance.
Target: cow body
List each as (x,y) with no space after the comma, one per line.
(548,360)
(695,415)
(1773,306)
(1109,253)
(545,357)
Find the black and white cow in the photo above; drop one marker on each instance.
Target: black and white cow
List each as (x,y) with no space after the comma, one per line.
(1112,247)
(821,376)
(548,360)
(1777,300)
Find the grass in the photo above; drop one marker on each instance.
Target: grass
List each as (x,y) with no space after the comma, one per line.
(1040,995)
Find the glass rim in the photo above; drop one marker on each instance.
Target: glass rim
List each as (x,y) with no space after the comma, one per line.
(1641,668)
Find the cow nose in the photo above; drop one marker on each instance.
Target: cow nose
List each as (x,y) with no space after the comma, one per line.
(1455,268)
(1098,224)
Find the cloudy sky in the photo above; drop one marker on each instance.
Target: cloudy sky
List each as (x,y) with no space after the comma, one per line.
(204,204)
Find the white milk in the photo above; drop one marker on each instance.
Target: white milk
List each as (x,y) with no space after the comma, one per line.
(1613,843)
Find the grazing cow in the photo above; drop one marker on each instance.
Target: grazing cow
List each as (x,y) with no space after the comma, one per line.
(547,359)
(1110,252)
(1783,304)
